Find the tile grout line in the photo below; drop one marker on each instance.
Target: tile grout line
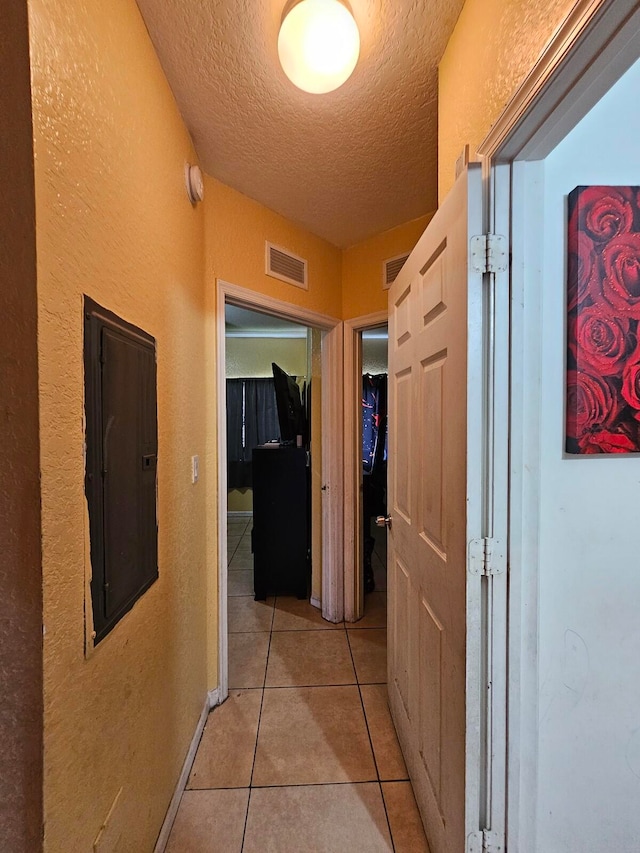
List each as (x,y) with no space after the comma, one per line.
(386,813)
(255,749)
(310,686)
(373,752)
(384,802)
(303,785)
(364,712)
(313,630)
(264,687)
(289,687)
(249,789)
(246,816)
(241,537)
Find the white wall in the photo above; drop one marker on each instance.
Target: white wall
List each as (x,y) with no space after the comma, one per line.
(251,357)
(375,354)
(589,573)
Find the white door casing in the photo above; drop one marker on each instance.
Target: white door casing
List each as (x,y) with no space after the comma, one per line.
(436,444)
(353,527)
(588,723)
(332,476)
(596,44)
(332,471)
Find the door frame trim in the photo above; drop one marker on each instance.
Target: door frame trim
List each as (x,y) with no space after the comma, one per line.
(353,578)
(332,549)
(595,45)
(332,475)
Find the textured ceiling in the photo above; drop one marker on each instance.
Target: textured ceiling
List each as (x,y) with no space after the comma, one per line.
(345,165)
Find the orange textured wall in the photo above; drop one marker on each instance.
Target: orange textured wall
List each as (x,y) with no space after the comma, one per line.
(362,291)
(493,47)
(114,222)
(236,230)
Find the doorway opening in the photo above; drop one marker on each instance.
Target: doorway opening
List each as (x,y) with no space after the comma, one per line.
(262,353)
(568,540)
(545,145)
(254,332)
(365,350)
(373,483)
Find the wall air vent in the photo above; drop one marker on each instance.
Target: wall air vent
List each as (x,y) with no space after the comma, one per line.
(287,267)
(390,269)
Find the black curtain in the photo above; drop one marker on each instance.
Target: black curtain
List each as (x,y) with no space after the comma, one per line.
(252,419)
(261,421)
(236,472)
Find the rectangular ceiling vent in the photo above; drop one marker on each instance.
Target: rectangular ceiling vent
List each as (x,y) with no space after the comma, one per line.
(286,266)
(390,269)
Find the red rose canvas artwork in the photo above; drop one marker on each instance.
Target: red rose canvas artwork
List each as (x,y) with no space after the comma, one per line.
(603,338)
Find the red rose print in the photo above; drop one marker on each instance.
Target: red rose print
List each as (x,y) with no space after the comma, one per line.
(620,286)
(599,343)
(583,268)
(591,403)
(603,322)
(604,441)
(631,386)
(603,212)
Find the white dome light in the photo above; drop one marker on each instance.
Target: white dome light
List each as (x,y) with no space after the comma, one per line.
(318,45)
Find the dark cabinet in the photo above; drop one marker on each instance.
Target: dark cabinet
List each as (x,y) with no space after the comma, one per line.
(281,524)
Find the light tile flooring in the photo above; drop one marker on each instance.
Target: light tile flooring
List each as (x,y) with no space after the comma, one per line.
(303,756)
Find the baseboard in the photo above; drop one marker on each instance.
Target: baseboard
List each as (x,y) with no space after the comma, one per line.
(240,514)
(315,602)
(172,811)
(214,698)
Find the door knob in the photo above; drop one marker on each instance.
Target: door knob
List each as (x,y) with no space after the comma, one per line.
(383,521)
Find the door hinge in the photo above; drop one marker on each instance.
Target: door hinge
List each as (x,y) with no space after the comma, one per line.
(487,557)
(485,841)
(489,253)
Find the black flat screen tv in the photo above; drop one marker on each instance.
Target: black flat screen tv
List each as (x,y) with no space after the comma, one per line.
(291,413)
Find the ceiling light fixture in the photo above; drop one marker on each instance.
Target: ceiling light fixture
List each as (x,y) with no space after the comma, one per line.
(318,45)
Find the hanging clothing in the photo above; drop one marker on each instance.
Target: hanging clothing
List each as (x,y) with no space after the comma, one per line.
(374,462)
(252,419)
(374,421)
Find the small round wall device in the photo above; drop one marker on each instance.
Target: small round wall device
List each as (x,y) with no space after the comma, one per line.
(194,183)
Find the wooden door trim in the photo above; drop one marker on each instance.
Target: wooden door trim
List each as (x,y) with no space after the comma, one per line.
(332,578)
(353,579)
(332,476)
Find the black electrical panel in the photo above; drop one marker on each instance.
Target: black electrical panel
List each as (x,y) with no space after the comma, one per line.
(122,448)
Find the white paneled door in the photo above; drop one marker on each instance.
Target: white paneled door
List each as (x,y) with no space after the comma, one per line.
(435,496)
